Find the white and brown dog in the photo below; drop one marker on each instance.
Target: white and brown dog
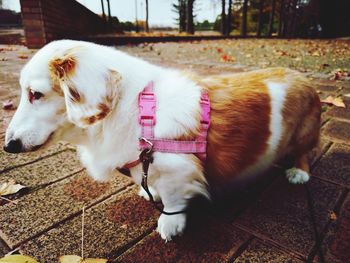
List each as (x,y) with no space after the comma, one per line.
(87,94)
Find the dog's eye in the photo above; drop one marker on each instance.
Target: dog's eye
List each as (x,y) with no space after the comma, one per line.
(34,95)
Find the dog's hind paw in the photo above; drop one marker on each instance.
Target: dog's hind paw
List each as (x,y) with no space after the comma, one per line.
(144,194)
(297,176)
(171,225)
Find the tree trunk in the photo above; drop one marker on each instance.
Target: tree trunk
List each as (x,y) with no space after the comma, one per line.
(146,25)
(244,18)
(260,21)
(109,11)
(272,15)
(190,26)
(294,18)
(229,18)
(282,19)
(103,10)
(223,17)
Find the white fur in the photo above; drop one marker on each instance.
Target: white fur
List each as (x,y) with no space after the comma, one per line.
(297,176)
(277,93)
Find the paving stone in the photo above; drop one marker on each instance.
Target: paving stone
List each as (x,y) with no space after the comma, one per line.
(336,244)
(109,227)
(45,171)
(282,213)
(9,160)
(330,88)
(3,249)
(260,251)
(40,210)
(337,131)
(335,165)
(208,241)
(341,113)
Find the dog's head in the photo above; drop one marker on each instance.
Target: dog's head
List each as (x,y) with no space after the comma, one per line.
(66,86)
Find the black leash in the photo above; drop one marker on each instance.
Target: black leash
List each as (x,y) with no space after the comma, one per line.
(318,239)
(146,159)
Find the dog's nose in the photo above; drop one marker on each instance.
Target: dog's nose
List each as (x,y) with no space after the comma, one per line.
(14,146)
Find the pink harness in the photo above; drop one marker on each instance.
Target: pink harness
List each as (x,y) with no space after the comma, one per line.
(147,118)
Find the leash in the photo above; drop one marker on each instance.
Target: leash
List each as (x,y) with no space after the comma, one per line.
(146,158)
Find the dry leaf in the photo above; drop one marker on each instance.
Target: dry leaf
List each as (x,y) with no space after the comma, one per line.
(17,259)
(347,95)
(227,58)
(77,259)
(334,101)
(23,56)
(333,216)
(10,187)
(7,105)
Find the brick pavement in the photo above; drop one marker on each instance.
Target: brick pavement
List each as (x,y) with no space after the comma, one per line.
(272,221)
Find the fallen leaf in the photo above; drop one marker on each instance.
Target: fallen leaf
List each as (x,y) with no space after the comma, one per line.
(219,50)
(77,259)
(347,95)
(22,56)
(10,187)
(17,259)
(334,101)
(333,216)
(227,58)
(7,105)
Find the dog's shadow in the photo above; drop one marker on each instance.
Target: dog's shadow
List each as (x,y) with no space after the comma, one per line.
(211,221)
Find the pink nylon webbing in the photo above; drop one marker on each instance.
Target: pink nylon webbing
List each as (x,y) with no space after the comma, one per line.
(147,119)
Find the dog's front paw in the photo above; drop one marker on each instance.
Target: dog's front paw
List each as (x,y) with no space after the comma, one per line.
(144,194)
(297,176)
(171,225)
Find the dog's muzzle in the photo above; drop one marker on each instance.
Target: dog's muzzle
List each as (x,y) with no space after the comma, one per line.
(14,146)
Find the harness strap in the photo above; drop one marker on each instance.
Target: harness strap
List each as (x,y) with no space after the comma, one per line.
(147,119)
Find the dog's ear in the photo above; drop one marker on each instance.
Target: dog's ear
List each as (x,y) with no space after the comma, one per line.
(90,94)
(89,106)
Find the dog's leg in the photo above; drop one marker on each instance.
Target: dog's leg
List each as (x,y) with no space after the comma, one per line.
(300,173)
(154,193)
(175,194)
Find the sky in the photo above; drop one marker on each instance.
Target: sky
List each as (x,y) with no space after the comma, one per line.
(160,11)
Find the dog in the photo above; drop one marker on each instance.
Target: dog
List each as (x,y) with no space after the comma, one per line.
(87,94)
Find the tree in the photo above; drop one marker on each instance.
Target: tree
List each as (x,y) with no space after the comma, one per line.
(189,17)
(229,18)
(260,19)
(180,9)
(223,18)
(282,18)
(146,25)
(272,15)
(244,18)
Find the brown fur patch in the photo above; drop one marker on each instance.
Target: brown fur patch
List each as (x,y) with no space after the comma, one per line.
(57,88)
(301,117)
(75,95)
(104,111)
(89,120)
(240,118)
(61,67)
(240,115)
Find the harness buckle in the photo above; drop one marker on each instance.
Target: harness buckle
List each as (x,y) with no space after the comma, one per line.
(147,108)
